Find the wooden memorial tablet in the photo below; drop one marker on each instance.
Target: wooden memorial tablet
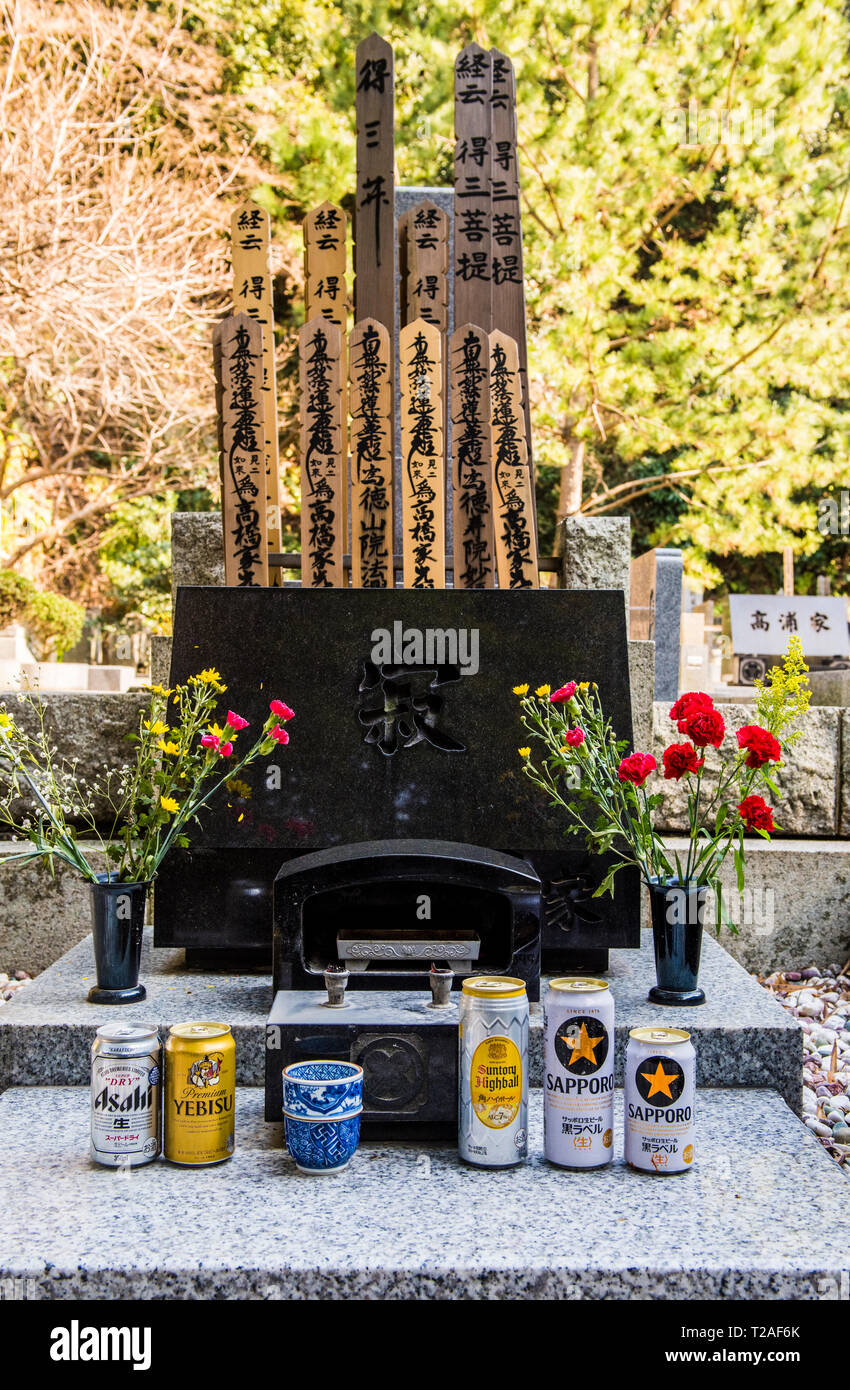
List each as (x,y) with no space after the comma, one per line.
(243,488)
(371,456)
(250,231)
(423,491)
(323,478)
(473,268)
(506,225)
(515,535)
(472,469)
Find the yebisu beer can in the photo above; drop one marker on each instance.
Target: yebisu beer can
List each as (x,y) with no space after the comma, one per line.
(578,1089)
(125,1095)
(493,1071)
(659,1104)
(200,1086)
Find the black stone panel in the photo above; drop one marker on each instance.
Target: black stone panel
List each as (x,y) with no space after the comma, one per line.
(393,744)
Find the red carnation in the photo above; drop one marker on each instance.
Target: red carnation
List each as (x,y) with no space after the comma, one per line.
(574,737)
(636,768)
(760,744)
(566,692)
(756,813)
(703,727)
(679,759)
(692,702)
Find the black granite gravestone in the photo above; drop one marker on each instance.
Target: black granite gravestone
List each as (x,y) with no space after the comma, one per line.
(405,727)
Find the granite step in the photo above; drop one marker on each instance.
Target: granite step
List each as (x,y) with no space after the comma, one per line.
(410,1221)
(742,1036)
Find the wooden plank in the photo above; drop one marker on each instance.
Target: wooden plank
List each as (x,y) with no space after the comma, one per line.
(423,482)
(250,241)
(326,291)
(243,492)
(473,268)
(515,533)
(509,310)
(374,221)
(372,460)
(323,478)
(472,492)
(402,230)
(426,233)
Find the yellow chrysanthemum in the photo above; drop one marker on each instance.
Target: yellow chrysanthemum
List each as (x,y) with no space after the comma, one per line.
(169,804)
(209,676)
(160,690)
(584,685)
(157,728)
(524,752)
(543,691)
(170,748)
(6,725)
(521,689)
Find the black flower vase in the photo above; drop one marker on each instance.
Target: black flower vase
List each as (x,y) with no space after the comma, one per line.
(118,916)
(678,910)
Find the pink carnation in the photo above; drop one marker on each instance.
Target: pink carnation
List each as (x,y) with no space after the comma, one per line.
(566,692)
(236,721)
(281,710)
(225,750)
(279,735)
(210,741)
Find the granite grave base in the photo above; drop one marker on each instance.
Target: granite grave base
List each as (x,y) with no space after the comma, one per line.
(742,1036)
(410,1221)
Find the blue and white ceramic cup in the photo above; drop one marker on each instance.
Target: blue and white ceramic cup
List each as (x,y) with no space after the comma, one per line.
(322,1104)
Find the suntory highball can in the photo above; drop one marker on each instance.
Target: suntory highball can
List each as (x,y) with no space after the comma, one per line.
(126,1066)
(660,1089)
(200,1084)
(578,1081)
(493,1071)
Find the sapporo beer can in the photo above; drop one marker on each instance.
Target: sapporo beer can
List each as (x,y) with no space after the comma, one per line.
(493,1071)
(660,1090)
(200,1099)
(126,1067)
(578,1092)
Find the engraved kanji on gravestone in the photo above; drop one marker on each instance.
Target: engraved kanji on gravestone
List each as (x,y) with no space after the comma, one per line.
(422,456)
(250,234)
(371,457)
(472,499)
(401,706)
(239,351)
(515,535)
(322,463)
(473,267)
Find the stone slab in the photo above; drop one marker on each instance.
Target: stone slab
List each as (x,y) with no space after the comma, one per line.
(795,908)
(642,678)
(595,552)
(810,780)
(197,549)
(41,917)
(89,728)
(742,1036)
(405,1220)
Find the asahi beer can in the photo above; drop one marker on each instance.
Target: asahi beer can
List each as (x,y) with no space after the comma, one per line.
(200,1099)
(126,1067)
(660,1089)
(493,1071)
(578,1090)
